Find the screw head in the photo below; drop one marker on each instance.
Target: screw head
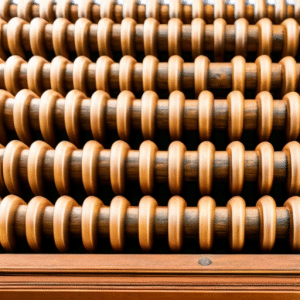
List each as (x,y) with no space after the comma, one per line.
(204,261)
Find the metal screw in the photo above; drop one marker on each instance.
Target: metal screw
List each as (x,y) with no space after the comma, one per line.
(204,261)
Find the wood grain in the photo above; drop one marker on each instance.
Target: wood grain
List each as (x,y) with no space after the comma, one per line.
(162,12)
(120,164)
(62,75)
(107,38)
(66,219)
(79,115)
(149,276)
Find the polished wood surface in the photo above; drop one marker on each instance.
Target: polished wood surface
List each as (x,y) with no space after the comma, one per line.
(84,75)
(103,151)
(106,38)
(28,10)
(66,219)
(120,164)
(149,276)
(100,115)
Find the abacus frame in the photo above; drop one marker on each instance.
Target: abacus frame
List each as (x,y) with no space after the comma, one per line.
(149,276)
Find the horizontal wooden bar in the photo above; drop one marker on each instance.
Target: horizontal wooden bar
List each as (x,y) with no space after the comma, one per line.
(149,276)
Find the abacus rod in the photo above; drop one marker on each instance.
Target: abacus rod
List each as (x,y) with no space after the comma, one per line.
(138,35)
(120,220)
(219,76)
(161,2)
(190,166)
(139,12)
(190,119)
(220,117)
(191,222)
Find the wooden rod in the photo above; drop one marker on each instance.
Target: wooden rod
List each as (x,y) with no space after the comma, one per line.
(116,166)
(162,12)
(148,115)
(86,76)
(39,37)
(91,221)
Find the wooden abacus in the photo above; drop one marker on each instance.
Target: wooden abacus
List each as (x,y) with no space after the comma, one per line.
(125,128)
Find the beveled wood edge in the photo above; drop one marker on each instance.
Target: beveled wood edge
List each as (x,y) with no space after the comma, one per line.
(124,276)
(149,263)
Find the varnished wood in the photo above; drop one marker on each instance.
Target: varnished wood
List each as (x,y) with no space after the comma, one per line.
(101,115)
(85,38)
(120,164)
(153,9)
(130,75)
(79,108)
(93,221)
(168,276)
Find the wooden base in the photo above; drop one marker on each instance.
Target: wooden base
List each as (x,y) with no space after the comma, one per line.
(90,276)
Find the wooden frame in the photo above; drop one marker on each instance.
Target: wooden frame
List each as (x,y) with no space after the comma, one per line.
(91,276)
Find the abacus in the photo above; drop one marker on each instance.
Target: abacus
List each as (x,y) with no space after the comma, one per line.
(149,149)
